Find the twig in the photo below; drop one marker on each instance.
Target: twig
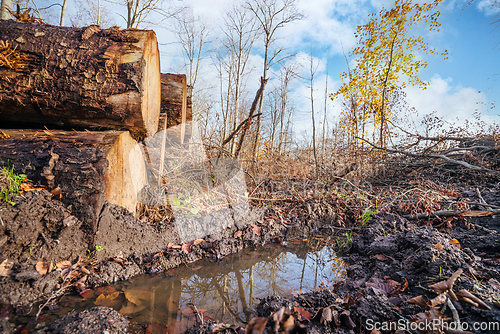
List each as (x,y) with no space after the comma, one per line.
(195,309)
(53,295)
(456,318)
(435,156)
(447,213)
(228,139)
(481,199)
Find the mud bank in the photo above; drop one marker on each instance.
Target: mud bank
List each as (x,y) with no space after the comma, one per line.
(39,228)
(392,261)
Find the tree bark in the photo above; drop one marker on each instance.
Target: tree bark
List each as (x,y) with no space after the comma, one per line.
(176,106)
(5,9)
(87,167)
(81,78)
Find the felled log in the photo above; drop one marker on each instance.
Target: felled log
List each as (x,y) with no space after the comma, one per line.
(80,77)
(85,168)
(176,105)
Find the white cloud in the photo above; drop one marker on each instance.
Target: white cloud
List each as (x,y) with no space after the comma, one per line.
(489,7)
(454,104)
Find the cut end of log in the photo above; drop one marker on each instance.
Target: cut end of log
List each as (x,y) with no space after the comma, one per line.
(151,84)
(126,172)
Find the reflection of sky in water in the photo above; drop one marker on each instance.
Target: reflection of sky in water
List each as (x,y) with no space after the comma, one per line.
(228,290)
(230,294)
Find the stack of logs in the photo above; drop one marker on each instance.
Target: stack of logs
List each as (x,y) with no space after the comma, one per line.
(100,92)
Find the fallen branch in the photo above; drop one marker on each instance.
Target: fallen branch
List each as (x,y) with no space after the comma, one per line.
(435,156)
(257,98)
(453,213)
(228,139)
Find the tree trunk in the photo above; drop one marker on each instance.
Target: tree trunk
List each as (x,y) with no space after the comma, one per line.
(176,106)
(88,167)
(63,13)
(5,9)
(81,78)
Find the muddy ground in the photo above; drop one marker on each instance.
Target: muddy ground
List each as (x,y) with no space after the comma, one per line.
(391,260)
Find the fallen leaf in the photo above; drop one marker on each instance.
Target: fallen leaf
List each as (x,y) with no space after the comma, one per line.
(395,300)
(455,243)
(188,312)
(380,257)
(395,286)
(302,314)
(438,246)
(107,300)
(405,286)
(197,242)
(131,308)
(156,328)
(467,296)
(186,247)
(88,293)
(238,234)
(419,300)
(443,286)
(105,290)
(346,319)
(134,296)
(42,267)
(358,284)
(63,265)
(80,284)
(256,325)
(172,246)
(120,259)
(326,316)
(178,327)
(256,229)
(379,285)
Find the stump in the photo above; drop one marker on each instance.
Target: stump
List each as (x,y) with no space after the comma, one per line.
(88,167)
(80,77)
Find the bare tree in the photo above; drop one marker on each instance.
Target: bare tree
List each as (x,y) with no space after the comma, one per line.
(92,12)
(194,38)
(6,9)
(138,11)
(271,15)
(312,72)
(63,13)
(239,36)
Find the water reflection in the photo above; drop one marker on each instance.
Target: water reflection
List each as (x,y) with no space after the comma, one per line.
(227,291)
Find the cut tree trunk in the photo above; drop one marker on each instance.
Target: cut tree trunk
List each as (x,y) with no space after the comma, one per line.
(87,168)
(80,77)
(176,106)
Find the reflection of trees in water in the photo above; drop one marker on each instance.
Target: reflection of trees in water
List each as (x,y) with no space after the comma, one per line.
(230,296)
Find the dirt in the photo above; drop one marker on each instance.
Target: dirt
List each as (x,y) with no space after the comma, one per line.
(95,320)
(392,250)
(387,251)
(40,228)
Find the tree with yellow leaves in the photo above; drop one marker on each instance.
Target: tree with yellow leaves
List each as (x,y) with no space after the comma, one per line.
(386,58)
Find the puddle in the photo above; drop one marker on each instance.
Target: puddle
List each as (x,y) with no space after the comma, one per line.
(226,291)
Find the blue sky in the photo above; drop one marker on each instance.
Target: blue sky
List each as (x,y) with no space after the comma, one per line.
(468,80)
